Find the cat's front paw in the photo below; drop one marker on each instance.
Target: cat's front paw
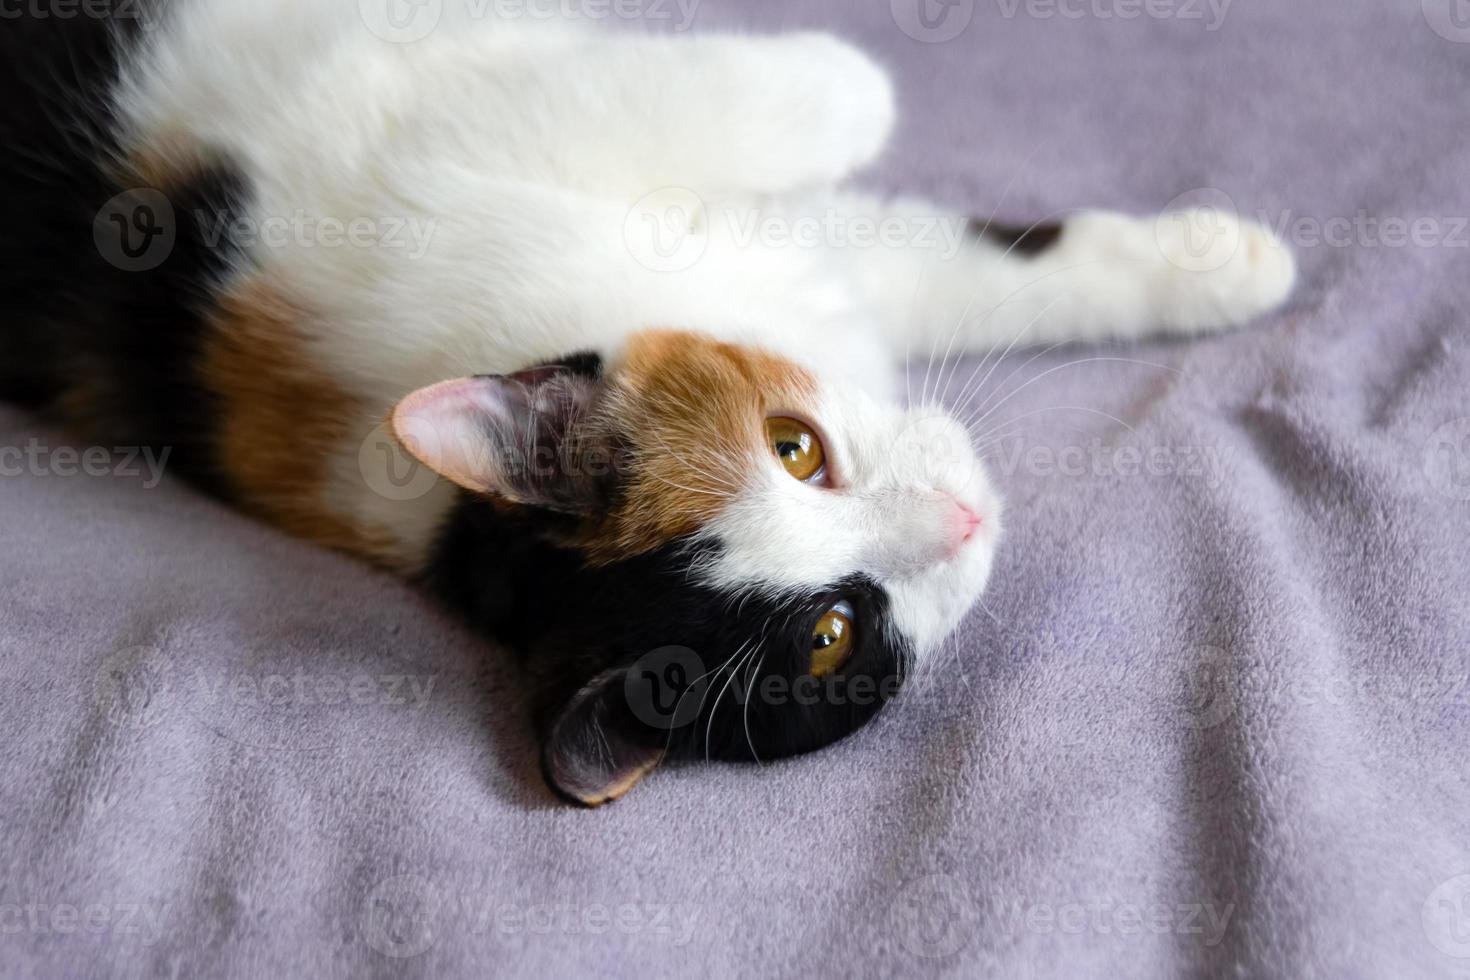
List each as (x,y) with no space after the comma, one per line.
(1219,269)
(841,105)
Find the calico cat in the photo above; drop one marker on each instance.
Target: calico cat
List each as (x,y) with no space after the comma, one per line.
(484,309)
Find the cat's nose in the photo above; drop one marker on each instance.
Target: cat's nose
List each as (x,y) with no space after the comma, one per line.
(965,521)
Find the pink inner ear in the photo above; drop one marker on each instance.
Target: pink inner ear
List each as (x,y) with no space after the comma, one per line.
(450,427)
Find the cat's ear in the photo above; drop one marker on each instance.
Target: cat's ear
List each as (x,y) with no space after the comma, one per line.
(516,437)
(596,748)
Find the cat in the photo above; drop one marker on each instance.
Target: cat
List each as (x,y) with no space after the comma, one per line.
(509,311)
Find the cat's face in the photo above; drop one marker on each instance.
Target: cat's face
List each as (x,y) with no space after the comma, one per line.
(748,558)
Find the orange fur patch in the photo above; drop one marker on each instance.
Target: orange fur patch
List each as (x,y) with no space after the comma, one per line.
(621,788)
(693,411)
(280,421)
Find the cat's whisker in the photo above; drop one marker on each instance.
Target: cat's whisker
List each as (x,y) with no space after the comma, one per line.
(969,389)
(971,419)
(940,388)
(718,457)
(913,301)
(708,493)
(1008,431)
(708,472)
(721,487)
(965,391)
(1009,298)
(607,749)
(717,462)
(954,646)
(1054,408)
(750,681)
(714,708)
(908,343)
(678,705)
(1070,364)
(1016,427)
(928,367)
(987,451)
(939,392)
(926,675)
(990,350)
(1010,184)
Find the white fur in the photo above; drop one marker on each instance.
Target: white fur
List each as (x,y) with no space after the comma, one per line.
(527,147)
(898,474)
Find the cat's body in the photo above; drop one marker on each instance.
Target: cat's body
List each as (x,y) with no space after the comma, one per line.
(348,221)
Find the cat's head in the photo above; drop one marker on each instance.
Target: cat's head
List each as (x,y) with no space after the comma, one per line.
(703,549)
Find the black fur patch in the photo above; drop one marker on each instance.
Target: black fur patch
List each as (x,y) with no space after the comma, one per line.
(104,296)
(571,622)
(1019,239)
(586,364)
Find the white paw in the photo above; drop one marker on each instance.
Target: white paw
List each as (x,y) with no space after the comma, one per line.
(841,105)
(1219,269)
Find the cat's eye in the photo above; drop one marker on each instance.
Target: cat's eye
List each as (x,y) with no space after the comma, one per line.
(832,640)
(798,449)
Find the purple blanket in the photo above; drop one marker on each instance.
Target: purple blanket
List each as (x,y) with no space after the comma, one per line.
(1212,719)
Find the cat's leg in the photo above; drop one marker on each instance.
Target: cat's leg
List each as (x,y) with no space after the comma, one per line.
(952,284)
(717,115)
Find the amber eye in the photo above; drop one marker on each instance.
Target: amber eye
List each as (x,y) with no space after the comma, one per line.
(798,448)
(832,640)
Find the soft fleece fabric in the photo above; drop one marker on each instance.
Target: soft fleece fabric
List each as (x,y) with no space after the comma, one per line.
(1211,721)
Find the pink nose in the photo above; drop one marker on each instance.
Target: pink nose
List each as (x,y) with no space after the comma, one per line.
(966,521)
